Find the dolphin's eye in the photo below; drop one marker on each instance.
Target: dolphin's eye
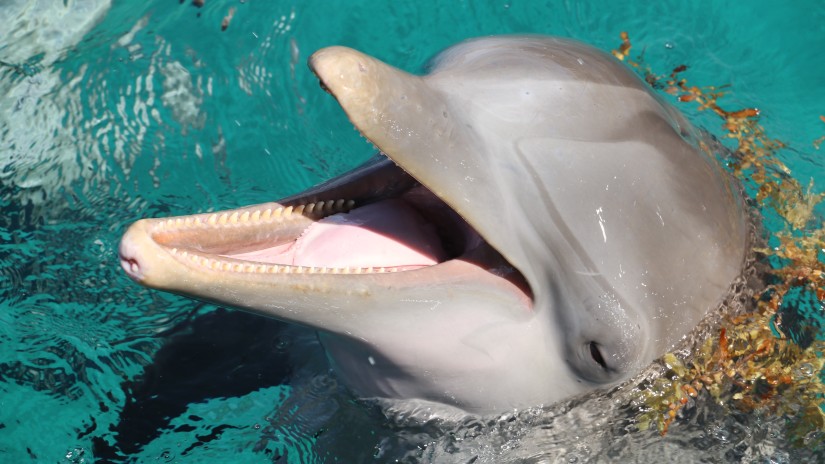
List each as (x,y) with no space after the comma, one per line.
(596,353)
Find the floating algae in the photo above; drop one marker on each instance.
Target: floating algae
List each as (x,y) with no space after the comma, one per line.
(771,357)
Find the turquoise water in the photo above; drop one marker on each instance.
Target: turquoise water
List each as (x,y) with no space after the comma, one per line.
(110,113)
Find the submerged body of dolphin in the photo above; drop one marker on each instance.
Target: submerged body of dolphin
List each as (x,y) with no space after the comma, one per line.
(546,226)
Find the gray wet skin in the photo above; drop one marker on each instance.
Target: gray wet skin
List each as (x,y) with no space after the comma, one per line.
(603,235)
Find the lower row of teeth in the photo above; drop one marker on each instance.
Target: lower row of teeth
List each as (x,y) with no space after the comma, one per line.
(226,266)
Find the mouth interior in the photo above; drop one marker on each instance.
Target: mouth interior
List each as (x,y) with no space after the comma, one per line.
(408,229)
(411,231)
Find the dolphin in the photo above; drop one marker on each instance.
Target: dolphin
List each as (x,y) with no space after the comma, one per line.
(537,224)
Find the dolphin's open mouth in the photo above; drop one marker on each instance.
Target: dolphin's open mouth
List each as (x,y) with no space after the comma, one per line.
(375,220)
(395,231)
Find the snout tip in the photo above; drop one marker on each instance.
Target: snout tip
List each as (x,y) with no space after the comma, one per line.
(129,250)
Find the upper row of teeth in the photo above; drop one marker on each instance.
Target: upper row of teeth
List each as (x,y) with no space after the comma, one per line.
(320,208)
(226,266)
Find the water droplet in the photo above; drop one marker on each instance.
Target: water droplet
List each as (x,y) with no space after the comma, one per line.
(722,435)
(167,456)
(669,45)
(804,370)
(281,344)
(779,457)
(75,455)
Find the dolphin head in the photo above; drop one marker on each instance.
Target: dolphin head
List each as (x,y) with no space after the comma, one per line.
(542,225)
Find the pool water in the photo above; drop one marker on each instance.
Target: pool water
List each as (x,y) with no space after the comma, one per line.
(110,112)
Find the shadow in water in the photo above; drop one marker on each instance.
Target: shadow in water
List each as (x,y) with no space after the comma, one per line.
(216,355)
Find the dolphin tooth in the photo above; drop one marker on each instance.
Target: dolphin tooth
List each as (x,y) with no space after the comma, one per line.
(179,223)
(256,216)
(245,216)
(319,208)
(188,222)
(233,219)
(267,214)
(237,267)
(277,214)
(288,211)
(213,219)
(310,208)
(223,218)
(339,205)
(299,209)
(350,204)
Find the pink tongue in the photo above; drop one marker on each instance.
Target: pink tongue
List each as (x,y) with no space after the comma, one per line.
(385,234)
